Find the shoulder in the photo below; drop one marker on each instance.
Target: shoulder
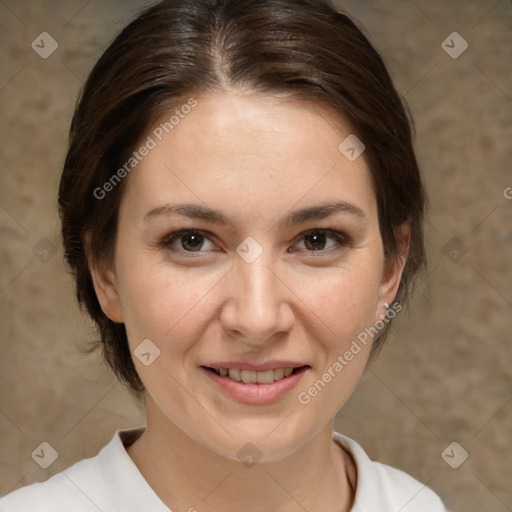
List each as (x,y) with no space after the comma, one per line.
(109,481)
(381,487)
(80,485)
(74,485)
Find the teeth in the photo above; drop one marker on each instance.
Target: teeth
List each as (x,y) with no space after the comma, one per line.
(279,374)
(234,374)
(265,377)
(250,377)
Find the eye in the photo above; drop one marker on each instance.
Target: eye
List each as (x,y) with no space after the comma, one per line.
(193,240)
(316,240)
(189,240)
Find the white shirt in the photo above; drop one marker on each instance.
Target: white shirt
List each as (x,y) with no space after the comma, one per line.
(111,482)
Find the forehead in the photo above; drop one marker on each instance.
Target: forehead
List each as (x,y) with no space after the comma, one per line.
(247,151)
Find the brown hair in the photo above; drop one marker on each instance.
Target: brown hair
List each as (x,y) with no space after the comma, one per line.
(176,48)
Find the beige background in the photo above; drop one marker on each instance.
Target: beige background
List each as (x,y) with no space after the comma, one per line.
(446,374)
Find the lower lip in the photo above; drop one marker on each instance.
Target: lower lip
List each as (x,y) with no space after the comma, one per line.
(256,393)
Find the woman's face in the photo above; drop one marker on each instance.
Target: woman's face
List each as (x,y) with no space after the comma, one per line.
(252,287)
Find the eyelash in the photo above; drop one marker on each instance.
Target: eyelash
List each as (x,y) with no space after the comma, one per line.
(341,239)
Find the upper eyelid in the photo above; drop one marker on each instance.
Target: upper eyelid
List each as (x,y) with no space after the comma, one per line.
(176,234)
(331,232)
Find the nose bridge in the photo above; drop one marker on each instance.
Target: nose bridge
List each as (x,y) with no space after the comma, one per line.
(259,283)
(258,304)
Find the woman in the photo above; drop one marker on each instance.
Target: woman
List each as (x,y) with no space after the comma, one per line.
(242,210)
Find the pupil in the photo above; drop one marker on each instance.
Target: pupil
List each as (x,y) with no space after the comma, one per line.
(194,246)
(318,240)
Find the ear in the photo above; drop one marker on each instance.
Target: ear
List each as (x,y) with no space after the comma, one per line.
(394,267)
(104,281)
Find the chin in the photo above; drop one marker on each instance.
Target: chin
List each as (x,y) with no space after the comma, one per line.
(260,440)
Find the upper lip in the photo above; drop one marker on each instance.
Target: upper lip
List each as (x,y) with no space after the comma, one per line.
(261,367)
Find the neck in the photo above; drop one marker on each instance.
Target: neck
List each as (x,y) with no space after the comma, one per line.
(187,476)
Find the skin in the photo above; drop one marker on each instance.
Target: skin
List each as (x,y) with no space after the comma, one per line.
(255,158)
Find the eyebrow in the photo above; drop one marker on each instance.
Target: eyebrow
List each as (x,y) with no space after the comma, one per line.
(197,211)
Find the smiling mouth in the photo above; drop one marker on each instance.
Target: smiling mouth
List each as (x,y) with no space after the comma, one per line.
(252,377)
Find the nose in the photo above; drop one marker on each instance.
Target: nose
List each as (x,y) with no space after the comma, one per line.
(258,303)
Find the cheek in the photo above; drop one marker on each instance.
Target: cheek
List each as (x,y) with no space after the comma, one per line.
(346,303)
(344,299)
(165,304)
